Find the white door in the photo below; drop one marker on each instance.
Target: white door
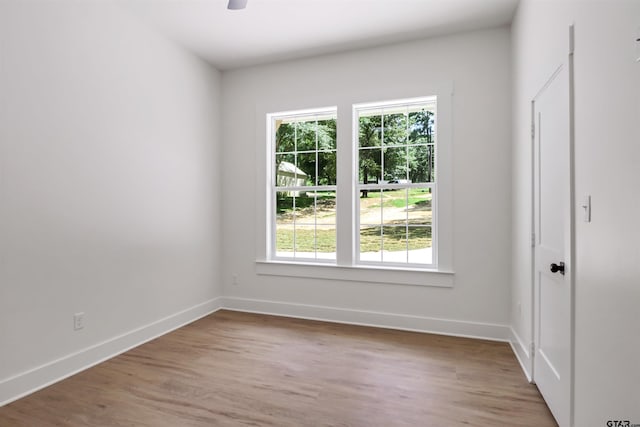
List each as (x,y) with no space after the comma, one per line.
(552,242)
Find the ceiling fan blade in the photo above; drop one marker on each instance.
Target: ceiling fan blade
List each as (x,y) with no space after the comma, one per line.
(237,4)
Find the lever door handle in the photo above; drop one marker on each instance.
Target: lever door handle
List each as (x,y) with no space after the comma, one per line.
(557,268)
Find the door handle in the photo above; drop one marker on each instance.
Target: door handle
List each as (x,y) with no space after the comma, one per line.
(557,267)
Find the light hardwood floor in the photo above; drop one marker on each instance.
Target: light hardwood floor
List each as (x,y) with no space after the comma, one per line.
(239,369)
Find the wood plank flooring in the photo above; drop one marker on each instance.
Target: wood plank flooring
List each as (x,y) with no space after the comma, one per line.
(239,369)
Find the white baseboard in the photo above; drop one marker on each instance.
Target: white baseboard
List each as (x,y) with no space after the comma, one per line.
(40,377)
(521,350)
(488,331)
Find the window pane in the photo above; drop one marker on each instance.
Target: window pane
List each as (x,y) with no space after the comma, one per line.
(285,136)
(306,135)
(316,208)
(370,166)
(395,129)
(394,210)
(305,241)
(327,134)
(395,164)
(404,228)
(370,131)
(285,170)
(286,207)
(326,242)
(394,243)
(327,168)
(306,169)
(370,243)
(419,206)
(326,208)
(421,127)
(285,223)
(284,240)
(422,163)
(305,207)
(370,207)
(420,241)
(314,227)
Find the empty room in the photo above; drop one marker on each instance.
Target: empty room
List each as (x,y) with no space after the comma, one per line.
(319,213)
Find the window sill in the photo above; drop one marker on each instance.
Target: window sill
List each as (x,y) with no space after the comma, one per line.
(359,273)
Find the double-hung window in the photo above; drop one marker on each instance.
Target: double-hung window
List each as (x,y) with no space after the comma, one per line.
(390,213)
(396,152)
(303,221)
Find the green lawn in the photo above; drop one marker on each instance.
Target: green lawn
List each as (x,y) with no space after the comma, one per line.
(395,239)
(324,239)
(418,197)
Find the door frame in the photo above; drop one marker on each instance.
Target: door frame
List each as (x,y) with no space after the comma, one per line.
(570,259)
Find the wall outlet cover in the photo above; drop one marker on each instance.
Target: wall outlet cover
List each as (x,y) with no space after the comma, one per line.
(78,321)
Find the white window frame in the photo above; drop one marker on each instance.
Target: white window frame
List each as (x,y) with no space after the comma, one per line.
(346,269)
(274,188)
(357,108)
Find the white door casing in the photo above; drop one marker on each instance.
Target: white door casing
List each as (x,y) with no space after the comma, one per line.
(553,216)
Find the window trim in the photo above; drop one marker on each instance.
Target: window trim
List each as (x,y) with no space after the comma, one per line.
(344,101)
(357,273)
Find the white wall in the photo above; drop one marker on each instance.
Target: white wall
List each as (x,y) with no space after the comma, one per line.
(607,267)
(478,65)
(109,187)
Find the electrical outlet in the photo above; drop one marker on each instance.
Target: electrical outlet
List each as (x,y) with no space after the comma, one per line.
(235,279)
(78,321)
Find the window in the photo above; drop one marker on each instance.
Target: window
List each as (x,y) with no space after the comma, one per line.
(391,208)
(304,185)
(396,152)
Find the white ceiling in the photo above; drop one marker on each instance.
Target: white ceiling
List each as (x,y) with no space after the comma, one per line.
(271,30)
